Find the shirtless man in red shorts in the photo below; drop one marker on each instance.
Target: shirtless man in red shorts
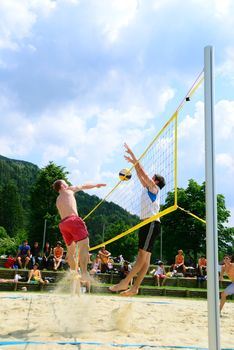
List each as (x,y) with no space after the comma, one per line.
(72,227)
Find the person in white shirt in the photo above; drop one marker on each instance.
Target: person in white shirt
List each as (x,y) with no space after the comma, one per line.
(160,274)
(150,205)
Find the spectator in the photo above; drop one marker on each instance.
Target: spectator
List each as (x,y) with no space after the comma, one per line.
(179,262)
(35,254)
(202,263)
(104,257)
(23,255)
(228,269)
(35,275)
(125,269)
(96,267)
(190,261)
(58,255)
(119,259)
(47,256)
(160,274)
(10,263)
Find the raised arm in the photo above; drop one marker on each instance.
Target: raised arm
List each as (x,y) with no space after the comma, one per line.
(85,187)
(144,178)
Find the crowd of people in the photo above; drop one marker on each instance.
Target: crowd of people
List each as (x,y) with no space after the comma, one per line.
(48,258)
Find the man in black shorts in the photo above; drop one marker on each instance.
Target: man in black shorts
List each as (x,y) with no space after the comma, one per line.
(150,205)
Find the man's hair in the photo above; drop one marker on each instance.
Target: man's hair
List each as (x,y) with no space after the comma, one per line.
(57,185)
(161,180)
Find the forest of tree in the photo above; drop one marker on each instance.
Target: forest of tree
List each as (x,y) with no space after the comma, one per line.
(27,204)
(108,220)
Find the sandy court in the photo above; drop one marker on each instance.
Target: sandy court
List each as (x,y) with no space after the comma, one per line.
(100,322)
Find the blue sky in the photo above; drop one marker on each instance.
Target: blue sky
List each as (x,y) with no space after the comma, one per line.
(78,78)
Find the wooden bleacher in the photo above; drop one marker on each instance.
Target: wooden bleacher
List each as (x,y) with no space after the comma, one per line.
(188,286)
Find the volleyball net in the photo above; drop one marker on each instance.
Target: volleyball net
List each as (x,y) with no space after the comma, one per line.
(159,157)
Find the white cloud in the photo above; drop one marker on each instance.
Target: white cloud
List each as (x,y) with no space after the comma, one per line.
(83,76)
(17,19)
(224,114)
(226,69)
(226,162)
(115,15)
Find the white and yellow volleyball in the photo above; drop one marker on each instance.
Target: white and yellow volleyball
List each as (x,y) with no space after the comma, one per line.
(125,175)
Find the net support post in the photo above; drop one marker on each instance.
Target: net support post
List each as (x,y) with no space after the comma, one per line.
(211,203)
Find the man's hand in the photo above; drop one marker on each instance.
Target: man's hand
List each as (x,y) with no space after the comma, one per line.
(100,185)
(131,158)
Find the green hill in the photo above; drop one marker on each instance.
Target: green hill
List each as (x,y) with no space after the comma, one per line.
(17,183)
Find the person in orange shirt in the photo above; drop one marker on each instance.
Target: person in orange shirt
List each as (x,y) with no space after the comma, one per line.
(104,256)
(202,263)
(179,262)
(58,255)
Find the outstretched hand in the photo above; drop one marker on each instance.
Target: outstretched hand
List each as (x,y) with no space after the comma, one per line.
(100,185)
(128,149)
(130,157)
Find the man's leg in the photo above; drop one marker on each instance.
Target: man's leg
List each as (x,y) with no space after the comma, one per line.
(27,259)
(223,300)
(71,249)
(140,275)
(158,281)
(84,258)
(19,262)
(142,257)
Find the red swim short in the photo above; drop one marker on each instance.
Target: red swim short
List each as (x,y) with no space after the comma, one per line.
(73,229)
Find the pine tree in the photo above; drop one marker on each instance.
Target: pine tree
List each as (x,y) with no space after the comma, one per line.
(11,211)
(43,198)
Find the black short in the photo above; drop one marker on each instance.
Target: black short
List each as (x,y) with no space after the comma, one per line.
(148,235)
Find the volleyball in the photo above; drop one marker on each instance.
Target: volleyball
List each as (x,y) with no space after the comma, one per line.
(125,175)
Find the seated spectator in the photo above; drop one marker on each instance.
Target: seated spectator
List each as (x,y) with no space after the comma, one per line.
(110,264)
(179,265)
(58,255)
(35,275)
(64,263)
(47,256)
(202,264)
(11,263)
(23,255)
(119,259)
(35,254)
(190,262)
(125,269)
(96,267)
(104,257)
(160,274)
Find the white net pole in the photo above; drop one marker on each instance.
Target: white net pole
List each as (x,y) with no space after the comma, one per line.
(211,205)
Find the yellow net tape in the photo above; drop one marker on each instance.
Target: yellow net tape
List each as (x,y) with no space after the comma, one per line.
(193,215)
(136,227)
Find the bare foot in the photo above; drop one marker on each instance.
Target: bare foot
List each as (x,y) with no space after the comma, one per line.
(87,278)
(129,292)
(118,287)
